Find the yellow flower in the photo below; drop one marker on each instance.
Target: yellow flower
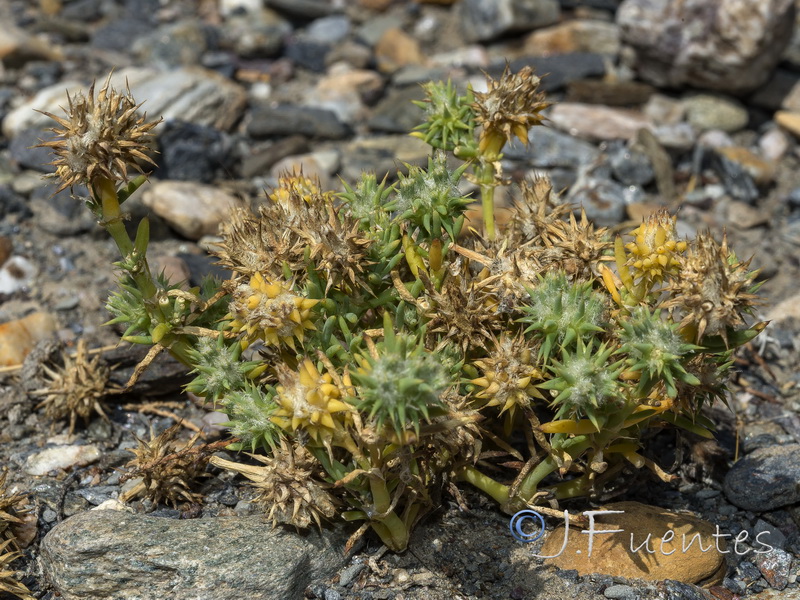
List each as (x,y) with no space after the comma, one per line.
(312,402)
(655,251)
(270,312)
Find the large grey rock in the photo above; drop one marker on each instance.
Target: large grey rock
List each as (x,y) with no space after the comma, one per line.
(550,148)
(724,45)
(193,94)
(765,479)
(483,20)
(108,554)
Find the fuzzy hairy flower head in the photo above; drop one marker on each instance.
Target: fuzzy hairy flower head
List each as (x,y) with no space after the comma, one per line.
(100,137)
(655,251)
(312,402)
(402,384)
(219,369)
(270,312)
(714,289)
(367,201)
(288,485)
(655,349)
(510,106)
(450,118)
(584,383)
(430,199)
(250,409)
(509,375)
(76,389)
(167,468)
(561,312)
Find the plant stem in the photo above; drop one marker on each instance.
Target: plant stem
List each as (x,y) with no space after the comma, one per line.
(496,490)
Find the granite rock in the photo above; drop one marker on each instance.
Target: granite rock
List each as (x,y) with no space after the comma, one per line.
(113,554)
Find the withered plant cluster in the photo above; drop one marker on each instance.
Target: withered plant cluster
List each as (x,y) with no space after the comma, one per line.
(11,513)
(372,349)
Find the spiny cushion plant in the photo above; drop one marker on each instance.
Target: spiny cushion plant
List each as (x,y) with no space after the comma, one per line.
(372,348)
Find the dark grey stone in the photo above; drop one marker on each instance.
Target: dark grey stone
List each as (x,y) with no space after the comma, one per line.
(290,120)
(558,70)
(765,479)
(772,93)
(83,10)
(259,161)
(483,20)
(550,148)
(12,203)
(190,152)
(329,30)
(307,53)
(104,554)
(174,45)
(304,9)
(630,165)
(676,590)
(24,152)
(120,34)
(397,113)
(602,199)
(737,181)
(620,592)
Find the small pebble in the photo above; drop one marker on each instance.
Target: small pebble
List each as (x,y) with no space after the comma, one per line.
(620,592)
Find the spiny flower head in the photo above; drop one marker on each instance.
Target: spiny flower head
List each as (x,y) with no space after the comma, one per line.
(220,369)
(11,510)
(509,375)
(76,389)
(586,384)
(168,468)
(655,349)
(714,289)
(561,312)
(8,583)
(287,485)
(535,209)
(100,137)
(655,251)
(401,383)
(510,107)
(312,402)
(295,185)
(367,201)
(450,117)
(250,409)
(269,311)
(430,199)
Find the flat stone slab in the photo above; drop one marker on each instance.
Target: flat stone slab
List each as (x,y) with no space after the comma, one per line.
(105,554)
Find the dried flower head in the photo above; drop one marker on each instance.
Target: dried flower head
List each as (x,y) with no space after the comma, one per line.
(464,311)
(100,137)
(312,402)
(11,510)
(509,375)
(8,583)
(288,485)
(76,389)
(509,108)
(536,209)
(167,467)
(269,311)
(714,289)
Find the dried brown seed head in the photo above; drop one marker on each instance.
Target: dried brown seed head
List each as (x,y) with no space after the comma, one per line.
(99,137)
(76,389)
